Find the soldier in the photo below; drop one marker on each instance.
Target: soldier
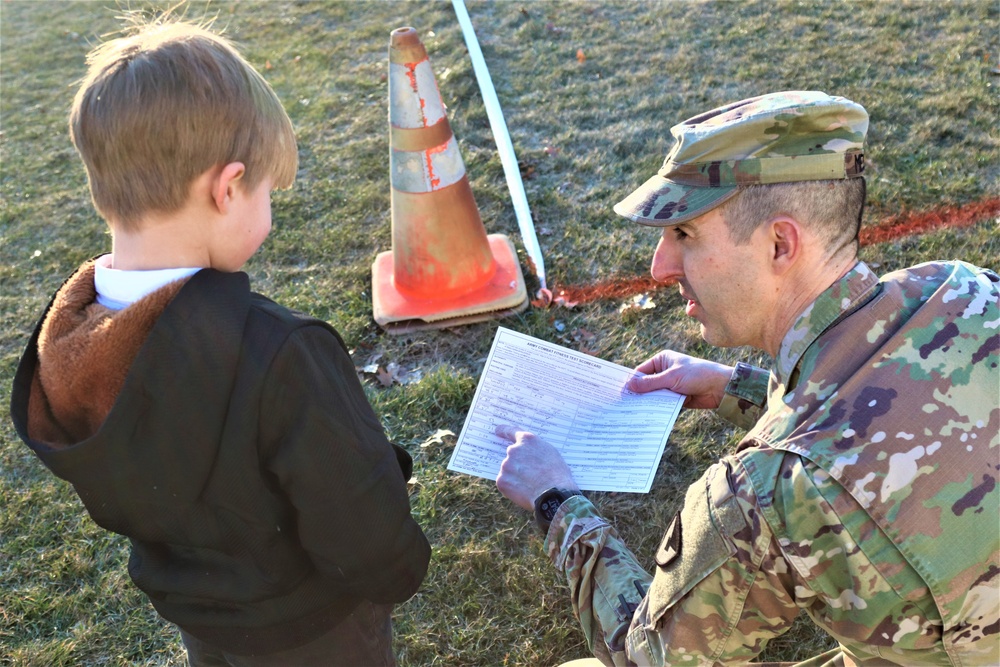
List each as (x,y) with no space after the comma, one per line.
(865,492)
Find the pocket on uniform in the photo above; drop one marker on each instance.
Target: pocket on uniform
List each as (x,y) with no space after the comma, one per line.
(692,547)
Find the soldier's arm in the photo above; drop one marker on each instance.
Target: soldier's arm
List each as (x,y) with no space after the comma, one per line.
(738,394)
(745,396)
(722,587)
(605,580)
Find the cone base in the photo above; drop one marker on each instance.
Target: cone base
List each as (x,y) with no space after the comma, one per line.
(505,294)
(412,326)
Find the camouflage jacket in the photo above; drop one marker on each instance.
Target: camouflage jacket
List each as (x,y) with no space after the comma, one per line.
(865,495)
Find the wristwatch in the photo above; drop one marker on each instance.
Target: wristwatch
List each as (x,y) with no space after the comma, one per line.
(547,504)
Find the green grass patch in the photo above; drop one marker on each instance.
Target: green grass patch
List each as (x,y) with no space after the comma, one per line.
(587,132)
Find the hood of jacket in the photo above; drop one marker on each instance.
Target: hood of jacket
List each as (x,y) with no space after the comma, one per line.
(98,389)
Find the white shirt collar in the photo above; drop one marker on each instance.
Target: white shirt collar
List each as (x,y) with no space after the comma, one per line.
(117,289)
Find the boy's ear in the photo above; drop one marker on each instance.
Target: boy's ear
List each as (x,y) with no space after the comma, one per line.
(224,185)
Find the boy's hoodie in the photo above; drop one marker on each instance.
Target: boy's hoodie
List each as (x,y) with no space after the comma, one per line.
(230,440)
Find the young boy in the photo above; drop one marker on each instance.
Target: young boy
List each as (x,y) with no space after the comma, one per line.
(226,436)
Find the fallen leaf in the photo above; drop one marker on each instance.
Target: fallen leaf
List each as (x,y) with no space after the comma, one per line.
(371,364)
(394,373)
(644,301)
(437,438)
(385,378)
(638,302)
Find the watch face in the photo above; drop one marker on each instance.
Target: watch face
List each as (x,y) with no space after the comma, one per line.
(550,507)
(548,504)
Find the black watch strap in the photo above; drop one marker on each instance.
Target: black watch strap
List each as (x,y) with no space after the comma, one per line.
(547,504)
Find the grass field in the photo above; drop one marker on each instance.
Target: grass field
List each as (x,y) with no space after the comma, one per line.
(586,131)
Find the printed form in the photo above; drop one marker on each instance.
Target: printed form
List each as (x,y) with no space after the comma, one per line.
(611,438)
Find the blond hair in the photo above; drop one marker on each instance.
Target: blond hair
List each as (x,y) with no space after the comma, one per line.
(831,208)
(160,107)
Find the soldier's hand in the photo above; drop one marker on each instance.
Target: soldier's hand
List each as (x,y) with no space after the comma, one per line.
(702,381)
(532,467)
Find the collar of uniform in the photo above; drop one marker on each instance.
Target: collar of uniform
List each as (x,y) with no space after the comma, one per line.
(838,301)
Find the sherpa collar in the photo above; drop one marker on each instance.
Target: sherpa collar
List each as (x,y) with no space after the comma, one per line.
(85,351)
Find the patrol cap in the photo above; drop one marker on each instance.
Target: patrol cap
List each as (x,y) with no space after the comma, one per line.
(776,138)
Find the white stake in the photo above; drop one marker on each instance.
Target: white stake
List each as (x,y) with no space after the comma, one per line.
(502,138)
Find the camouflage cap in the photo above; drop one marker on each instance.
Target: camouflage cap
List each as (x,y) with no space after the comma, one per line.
(775,138)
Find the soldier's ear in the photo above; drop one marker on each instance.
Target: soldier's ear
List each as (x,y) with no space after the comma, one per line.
(785,240)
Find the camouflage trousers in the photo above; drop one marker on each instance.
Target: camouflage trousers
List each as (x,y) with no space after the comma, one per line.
(832,658)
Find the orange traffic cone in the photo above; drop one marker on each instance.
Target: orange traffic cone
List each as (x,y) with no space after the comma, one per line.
(443,269)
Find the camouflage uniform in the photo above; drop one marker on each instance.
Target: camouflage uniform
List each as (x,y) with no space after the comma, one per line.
(865,495)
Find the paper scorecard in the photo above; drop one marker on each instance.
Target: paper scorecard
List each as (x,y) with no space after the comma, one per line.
(611,438)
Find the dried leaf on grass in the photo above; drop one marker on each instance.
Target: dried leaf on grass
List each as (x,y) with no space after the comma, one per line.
(638,302)
(385,378)
(390,374)
(437,438)
(583,338)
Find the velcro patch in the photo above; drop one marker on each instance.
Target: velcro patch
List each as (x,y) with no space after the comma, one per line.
(670,546)
(706,545)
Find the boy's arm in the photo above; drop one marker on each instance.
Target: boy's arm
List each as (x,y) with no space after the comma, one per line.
(336,466)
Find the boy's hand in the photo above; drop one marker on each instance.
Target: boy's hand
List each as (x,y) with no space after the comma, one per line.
(702,381)
(532,467)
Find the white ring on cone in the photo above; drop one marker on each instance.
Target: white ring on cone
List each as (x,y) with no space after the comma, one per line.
(426,171)
(414,99)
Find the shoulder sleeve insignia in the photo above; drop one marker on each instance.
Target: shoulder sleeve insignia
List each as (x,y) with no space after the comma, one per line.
(670,547)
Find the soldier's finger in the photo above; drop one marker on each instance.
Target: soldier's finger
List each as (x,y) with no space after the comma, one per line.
(648,366)
(506,432)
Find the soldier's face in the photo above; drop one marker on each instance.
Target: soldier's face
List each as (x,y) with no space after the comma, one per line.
(722,282)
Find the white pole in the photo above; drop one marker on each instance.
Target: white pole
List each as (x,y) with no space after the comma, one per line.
(502,138)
